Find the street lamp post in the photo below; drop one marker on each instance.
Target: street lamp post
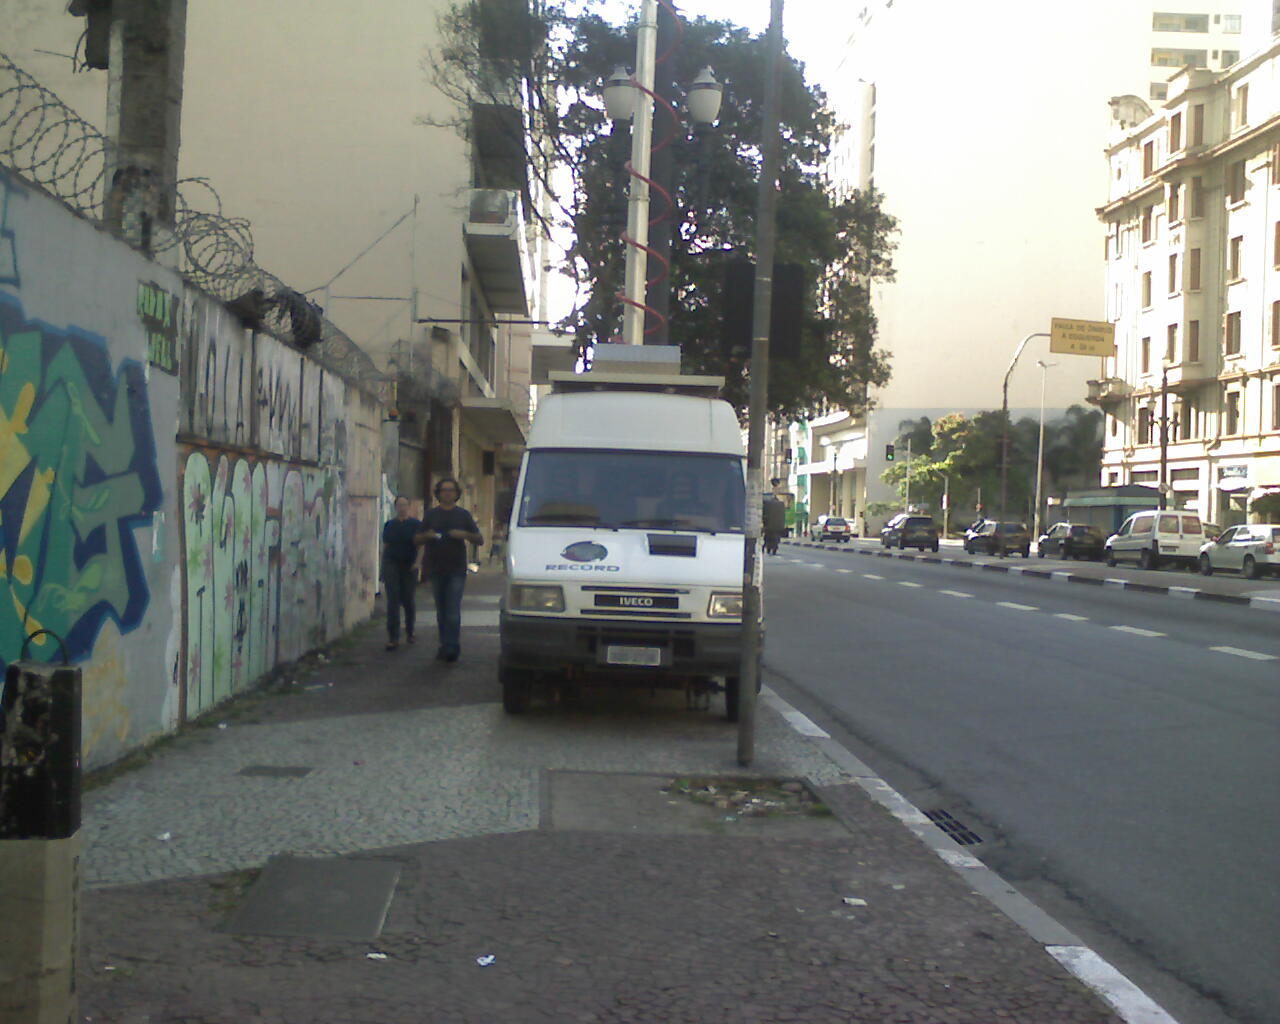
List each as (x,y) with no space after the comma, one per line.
(1164,434)
(1044,372)
(1004,420)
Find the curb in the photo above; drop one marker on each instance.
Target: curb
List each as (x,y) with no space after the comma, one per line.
(1266,604)
(1129,1002)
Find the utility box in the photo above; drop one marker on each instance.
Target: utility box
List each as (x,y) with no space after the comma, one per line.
(40,784)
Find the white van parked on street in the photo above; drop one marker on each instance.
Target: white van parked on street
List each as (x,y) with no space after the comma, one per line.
(1154,538)
(625,552)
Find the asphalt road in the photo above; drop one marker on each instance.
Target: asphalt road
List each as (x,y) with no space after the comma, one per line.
(1117,752)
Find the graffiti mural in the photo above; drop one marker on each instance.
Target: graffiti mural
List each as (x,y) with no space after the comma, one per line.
(78,476)
(264,568)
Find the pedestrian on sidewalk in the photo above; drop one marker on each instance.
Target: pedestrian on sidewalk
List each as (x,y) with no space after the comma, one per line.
(400,570)
(448,528)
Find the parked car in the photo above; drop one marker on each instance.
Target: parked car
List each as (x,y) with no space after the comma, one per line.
(831,528)
(1154,538)
(1071,540)
(910,530)
(997,538)
(1252,550)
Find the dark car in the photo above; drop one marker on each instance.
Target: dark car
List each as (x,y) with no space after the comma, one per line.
(993,538)
(908,530)
(1071,540)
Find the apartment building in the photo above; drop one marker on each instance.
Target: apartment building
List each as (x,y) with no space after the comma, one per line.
(1192,396)
(1197,34)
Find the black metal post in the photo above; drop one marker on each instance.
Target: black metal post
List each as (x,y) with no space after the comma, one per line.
(1164,435)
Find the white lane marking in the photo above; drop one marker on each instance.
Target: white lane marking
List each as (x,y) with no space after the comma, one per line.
(871,576)
(1136,631)
(955,593)
(1070,618)
(908,583)
(804,725)
(846,571)
(1017,607)
(1132,1004)
(1240,652)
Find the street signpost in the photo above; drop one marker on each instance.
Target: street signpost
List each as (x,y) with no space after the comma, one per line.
(1082,337)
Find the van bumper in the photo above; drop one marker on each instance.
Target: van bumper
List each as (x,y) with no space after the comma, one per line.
(688,648)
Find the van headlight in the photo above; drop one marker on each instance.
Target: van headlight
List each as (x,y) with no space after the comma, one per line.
(725,606)
(536,599)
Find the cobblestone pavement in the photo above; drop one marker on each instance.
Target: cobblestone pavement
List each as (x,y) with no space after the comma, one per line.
(634,917)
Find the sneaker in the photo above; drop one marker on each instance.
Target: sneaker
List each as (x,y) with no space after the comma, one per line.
(410,640)
(451,655)
(392,645)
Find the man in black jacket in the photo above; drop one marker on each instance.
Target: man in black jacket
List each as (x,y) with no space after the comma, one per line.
(447,530)
(399,570)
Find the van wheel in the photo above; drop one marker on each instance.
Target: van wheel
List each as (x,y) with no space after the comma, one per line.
(1250,567)
(517,689)
(1111,560)
(1147,560)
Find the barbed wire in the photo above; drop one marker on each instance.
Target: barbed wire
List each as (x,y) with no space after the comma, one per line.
(49,145)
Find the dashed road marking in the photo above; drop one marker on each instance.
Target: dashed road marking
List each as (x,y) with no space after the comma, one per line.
(871,576)
(1070,618)
(909,583)
(955,593)
(1136,631)
(1240,652)
(1018,607)
(845,571)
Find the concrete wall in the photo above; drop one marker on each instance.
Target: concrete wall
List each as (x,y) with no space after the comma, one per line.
(175,497)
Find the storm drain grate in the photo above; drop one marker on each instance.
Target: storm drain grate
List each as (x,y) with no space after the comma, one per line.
(955,829)
(275,771)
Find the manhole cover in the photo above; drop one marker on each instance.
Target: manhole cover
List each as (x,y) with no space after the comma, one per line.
(275,771)
(314,897)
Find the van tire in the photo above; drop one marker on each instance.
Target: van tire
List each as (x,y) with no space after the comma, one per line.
(1148,560)
(1111,560)
(1250,567)
(517,689)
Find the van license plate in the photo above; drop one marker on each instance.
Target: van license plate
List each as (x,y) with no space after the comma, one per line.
(649,656)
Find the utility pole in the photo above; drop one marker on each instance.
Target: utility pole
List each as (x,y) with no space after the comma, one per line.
(1044,372)
(908,502)
(1004,421)
(1164,434)
(752,570)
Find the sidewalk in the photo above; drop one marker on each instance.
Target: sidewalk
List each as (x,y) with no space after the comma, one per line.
(548,842)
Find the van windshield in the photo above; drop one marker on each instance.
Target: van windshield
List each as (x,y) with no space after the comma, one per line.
(640,490)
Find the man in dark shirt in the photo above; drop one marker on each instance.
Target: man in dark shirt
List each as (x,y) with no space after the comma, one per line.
(399,564)
(448,529)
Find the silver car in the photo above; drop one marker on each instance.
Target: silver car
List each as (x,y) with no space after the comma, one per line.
(1252,550)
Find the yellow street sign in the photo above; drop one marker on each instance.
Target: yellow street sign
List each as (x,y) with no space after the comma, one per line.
(1082,337)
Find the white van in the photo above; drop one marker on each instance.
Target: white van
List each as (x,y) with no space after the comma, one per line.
(1154,538)
(624,559)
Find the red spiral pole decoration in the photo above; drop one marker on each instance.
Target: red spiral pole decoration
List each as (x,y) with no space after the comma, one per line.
(663,265)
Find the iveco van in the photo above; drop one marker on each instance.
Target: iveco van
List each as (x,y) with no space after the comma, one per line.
(625,552)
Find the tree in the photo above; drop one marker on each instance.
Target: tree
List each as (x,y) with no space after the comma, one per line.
(1266,507)
(843,245)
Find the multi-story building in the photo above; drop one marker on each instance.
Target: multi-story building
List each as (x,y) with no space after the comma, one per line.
(1192,396)
(1193,33)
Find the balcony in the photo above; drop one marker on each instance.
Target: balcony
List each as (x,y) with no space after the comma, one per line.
(495,244)
(1108,392)
(1187,376)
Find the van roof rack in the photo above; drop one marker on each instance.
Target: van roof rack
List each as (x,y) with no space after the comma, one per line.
(563,381)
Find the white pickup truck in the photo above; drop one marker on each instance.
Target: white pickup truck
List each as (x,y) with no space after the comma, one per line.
(625,553)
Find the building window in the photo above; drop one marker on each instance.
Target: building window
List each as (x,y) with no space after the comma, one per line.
(1231,335)
(1175,132)
(1186,421)
(1233,412)
(1165,22)
(1229,57)
(1193,270)
(1235,182)
(1197,197)
(1159,90)
(1144,425)
(1275,406)
(1274,164)
(1197,125)
(1175,203)
(1275,325)
(1115,425)
(1193,341)
(1148,159)
(1148,220)
(1146,290)
(1171,343)
(1240,103)
(1165,57)
(1231,24)
(1144,357)
(1233,258)
(1173,273)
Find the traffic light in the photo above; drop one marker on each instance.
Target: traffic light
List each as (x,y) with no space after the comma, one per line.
(888,453)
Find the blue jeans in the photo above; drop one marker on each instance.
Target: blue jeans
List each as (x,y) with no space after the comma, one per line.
(447,588)
(400,579)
